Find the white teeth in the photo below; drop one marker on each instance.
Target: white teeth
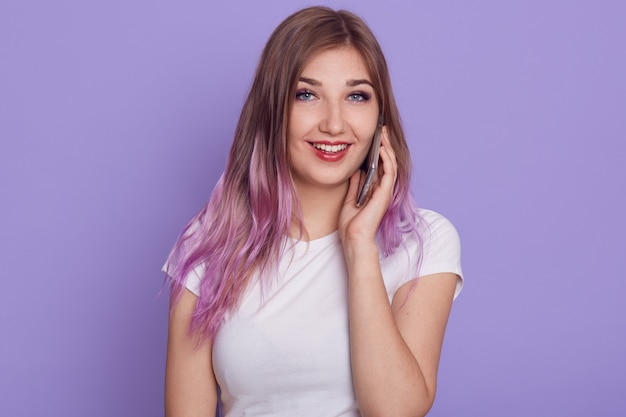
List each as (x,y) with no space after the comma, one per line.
(330,148)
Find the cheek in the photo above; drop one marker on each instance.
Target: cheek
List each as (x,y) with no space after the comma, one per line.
(364,152)
(367,130)
(364,121)
(301,120)
(366,137)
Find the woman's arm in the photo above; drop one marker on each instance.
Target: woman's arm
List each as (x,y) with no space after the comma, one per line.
(190,387)
(394,349)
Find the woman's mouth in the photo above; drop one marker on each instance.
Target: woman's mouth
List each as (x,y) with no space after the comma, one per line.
(330,152)
(330,149)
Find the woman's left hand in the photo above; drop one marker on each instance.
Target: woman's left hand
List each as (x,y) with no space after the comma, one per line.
(359,224)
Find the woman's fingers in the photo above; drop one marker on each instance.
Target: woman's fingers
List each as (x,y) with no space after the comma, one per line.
(354,186)
(389,165)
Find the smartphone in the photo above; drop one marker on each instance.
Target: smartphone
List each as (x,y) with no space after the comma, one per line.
(372,166)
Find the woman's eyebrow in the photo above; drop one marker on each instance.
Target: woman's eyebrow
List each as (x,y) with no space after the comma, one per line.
(311,81)
(349,83)
(354,83)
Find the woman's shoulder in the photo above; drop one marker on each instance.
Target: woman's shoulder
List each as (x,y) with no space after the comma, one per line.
(432,227)
(441,246)
(432,219)
(432,247)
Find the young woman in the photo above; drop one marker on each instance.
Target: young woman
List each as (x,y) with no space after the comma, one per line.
(286,295)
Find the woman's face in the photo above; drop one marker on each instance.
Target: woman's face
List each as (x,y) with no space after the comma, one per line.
(333,118)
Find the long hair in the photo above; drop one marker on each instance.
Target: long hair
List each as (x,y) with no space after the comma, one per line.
(242,230)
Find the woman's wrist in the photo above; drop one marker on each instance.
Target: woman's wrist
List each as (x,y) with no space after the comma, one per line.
(360,251)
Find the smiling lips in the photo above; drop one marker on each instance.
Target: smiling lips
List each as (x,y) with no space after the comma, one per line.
(329,152)
(330,148)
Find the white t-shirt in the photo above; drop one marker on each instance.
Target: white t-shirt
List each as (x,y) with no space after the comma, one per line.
(286,353)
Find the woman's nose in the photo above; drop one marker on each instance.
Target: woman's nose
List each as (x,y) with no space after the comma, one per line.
(332,121)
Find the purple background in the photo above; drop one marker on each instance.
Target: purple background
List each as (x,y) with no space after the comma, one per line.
(115,119)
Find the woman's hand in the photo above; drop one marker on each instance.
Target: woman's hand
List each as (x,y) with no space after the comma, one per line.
(359,224)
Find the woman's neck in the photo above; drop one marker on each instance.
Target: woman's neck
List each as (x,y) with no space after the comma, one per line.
(320,211)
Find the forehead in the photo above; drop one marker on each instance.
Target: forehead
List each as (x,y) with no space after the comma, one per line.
(343,61)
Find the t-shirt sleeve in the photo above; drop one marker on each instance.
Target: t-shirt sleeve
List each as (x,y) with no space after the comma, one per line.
(193,280)
(442,248)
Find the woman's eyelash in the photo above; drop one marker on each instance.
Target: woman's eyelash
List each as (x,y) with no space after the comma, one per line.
(359,96)
(304,95)
(307,95)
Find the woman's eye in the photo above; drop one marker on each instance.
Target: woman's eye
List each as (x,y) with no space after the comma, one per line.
(304,95)
(359,97)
